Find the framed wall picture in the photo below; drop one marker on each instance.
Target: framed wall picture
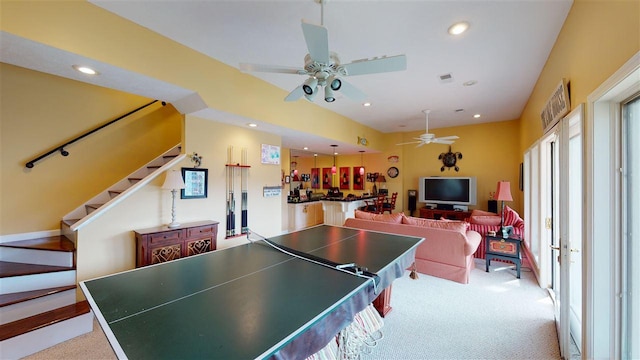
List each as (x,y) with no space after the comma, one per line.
(327,179)
(270,154)
(315,178)
(344,178)
(195,183)
(358,180)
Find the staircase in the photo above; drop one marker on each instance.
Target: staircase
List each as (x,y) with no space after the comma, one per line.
(38,304)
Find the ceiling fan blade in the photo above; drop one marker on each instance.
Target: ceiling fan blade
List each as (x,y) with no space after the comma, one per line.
(317,39)
(296,94)
(376,65)
(351,91)
(453,137)
(244,67)
(411,142)
(441,141)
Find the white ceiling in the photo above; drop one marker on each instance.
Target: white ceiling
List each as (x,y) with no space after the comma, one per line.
(504,50)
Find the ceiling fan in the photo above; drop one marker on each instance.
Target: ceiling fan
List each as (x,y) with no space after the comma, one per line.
(427,138)
(324,69)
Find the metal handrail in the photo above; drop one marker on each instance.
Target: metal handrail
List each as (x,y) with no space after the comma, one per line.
(64,152)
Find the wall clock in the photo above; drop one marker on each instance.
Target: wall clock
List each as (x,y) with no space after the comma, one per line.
(393,172)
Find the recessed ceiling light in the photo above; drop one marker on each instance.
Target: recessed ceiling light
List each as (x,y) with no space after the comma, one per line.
(366,104)
(470,83)
(458,28)
(252,125)
(476,116)
(305,148)
(84,69)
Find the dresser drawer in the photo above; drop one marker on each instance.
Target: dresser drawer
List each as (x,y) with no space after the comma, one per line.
(503,247)
(200,230)
(166,236)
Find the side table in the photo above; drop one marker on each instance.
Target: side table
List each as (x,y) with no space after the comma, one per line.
(501,248)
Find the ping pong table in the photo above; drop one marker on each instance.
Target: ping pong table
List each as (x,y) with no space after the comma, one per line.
(248,301)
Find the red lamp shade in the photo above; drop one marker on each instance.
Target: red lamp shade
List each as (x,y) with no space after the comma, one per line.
(503,193)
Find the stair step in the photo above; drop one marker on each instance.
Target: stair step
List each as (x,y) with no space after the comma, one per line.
(39,321)
(134,180)
(114,193)
(10,299)
(9,269)
(153,167)
(52,243)
(70,222)
(92,206)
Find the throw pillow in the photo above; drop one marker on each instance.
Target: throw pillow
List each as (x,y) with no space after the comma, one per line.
(491,220)
(359,214)
(455,225)
(477,212)
(511,217)
(389,218)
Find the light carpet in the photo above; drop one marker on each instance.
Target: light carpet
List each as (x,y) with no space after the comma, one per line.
(495,316)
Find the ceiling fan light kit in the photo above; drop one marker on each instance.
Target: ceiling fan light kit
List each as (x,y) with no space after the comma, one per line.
(324,68)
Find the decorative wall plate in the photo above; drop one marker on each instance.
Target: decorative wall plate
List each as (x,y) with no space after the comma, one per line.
(393,158)
(449,160)
(393,172)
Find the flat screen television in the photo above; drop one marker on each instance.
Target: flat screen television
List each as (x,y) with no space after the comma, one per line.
(447,190)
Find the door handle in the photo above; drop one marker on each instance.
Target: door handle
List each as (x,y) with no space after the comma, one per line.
(554,247)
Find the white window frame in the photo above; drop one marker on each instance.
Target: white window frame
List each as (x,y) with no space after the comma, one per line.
(602,280)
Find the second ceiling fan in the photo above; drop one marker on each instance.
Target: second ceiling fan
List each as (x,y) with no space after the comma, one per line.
(324,69)
(428,138)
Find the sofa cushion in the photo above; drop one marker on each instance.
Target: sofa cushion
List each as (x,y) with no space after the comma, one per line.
(485,219)
(476,212)
(460,226)
(390,218)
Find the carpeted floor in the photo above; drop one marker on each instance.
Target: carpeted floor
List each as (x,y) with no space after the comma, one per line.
(495,316)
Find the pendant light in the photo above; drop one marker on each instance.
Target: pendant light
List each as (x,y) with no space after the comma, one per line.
(333,168)
(361,163)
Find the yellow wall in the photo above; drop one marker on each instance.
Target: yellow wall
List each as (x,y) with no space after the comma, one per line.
(107,244)
(596,39)
(489,152)
(40,112)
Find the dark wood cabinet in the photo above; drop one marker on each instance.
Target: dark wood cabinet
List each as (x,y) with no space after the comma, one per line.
(447,214)
(159,244)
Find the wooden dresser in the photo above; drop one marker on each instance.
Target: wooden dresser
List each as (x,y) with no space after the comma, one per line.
(161,243)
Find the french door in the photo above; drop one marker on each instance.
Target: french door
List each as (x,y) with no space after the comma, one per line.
(562,206)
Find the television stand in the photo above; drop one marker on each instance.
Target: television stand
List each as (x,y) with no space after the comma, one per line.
(437,214)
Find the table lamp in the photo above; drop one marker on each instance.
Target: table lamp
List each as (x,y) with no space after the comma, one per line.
(173,182)
(503,193)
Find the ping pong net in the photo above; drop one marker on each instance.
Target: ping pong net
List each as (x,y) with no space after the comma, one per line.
(349,268)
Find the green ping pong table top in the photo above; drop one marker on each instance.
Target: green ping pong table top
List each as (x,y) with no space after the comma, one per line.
(245,302)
